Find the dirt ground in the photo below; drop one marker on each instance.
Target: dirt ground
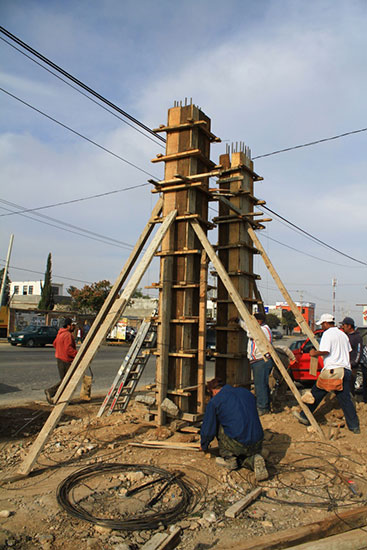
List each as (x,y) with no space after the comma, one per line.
(308,478)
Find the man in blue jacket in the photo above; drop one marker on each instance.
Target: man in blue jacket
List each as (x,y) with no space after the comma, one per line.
(231,416)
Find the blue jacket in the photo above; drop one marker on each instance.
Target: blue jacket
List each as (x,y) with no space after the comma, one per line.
(235,409)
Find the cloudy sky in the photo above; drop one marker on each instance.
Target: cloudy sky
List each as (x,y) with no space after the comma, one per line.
(273,74)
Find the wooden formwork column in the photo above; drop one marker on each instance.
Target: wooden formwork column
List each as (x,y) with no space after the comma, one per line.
(235,250)
(187,155)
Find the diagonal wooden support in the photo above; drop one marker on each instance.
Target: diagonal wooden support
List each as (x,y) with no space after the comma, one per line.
(299,317)
(256,333)
(111,297)
(110,318)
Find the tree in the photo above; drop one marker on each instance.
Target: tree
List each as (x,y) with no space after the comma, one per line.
(90,298)
(272,320)
(139,294)
(288,320)
(6,296)
(47,297)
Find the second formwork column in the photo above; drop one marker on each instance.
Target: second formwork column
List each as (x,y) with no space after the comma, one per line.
(235,250)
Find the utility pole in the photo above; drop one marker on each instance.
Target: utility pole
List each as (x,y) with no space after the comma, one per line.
(3,284)
(333,283)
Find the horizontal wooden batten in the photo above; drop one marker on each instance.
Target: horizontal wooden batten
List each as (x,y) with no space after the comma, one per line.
(238,245)
(177,252)
(253,174)
(185,154)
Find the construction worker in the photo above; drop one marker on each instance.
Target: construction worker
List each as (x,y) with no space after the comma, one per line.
(260,367)
(232,417)
(336,373)
(355,339)
(65,351)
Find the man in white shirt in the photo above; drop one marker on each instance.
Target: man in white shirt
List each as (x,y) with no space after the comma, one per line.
(260,368)
(334,348)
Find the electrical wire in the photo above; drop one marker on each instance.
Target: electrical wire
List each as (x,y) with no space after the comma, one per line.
(312,236)
(72,201)
(80,92)
(151,518)
(88,233)
(2,260)
(311,255)
(78,82)
(76,133)
(310,143)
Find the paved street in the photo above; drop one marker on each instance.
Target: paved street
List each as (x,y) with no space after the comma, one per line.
(26,372)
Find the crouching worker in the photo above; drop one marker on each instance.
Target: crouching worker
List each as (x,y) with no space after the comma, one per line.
(231,416)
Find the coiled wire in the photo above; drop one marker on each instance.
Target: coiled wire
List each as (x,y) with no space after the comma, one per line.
(151,520)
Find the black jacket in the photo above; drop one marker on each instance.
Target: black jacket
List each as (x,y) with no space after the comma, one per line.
(356,343)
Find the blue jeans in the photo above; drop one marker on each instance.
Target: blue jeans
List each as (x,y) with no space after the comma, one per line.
(344,399)
(261,370)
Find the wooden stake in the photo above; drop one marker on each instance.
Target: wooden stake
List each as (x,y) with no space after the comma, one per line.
(111,317)
(257,334)
(111,297)
(299,317)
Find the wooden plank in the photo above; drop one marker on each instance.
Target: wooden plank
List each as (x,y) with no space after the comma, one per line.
(112,296)
(160,446)
(351,540)
(162,364)
(202,332)
(313,365)
(236,508)
(155,542)
(111,317)
(172,540)
(299,318)
(257,334)
(166,443)
(331,525)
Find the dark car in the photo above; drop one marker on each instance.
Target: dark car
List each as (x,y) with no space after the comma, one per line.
(277,335)
(33,336)
(211,343)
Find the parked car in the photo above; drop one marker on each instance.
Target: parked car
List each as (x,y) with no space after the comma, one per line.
(300,369)
(211,343)
(33,336)
(277,335)
(297,344)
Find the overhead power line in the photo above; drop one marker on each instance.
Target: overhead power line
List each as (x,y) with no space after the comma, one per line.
(313,237)
(62,203)
(306,253)
(42,273)
(78,82)
(82,93)
(77,133)
(323,140)
(75,229)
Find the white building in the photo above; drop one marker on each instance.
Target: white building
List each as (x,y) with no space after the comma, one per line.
(33,288)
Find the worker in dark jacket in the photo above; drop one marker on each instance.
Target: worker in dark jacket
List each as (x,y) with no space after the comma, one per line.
(65,351)
(355,339)
(231,416)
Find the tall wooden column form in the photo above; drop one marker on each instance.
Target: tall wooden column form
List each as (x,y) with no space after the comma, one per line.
(235,250)
(184,189)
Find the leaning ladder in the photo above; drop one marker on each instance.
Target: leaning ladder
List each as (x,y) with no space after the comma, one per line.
(128,374)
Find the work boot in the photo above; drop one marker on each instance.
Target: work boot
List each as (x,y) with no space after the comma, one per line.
(300,418)
(260,470)
(49,397)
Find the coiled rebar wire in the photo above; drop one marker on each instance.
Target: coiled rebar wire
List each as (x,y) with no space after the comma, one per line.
(151,520)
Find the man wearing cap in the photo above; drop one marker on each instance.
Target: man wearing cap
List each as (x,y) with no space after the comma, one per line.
(65,351)
(334,348)
(232,418)
(355,339)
